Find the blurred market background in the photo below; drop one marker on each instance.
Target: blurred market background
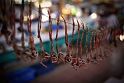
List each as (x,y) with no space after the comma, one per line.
(96,13)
